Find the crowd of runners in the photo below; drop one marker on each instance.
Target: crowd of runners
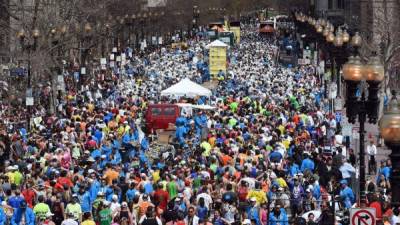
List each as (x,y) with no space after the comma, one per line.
(271,152)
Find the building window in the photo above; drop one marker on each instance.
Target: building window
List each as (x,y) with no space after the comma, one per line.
(330,4)
(2,40)
(169,111)
(340,4)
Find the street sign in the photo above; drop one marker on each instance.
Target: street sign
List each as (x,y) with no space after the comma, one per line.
(338,104)
(356,132)
(76,76)
(347,130)
(364,216)
(18,71)
(60,78)
(332,91)
(327,76)
(338,116)
(29,101)
(303,61)
(316,58)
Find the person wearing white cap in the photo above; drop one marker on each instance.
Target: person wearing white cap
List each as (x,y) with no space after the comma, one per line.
(48,220)
(70,219)
(115,206)
(253,213)
(125,214)
(74,208)
(258,194)
(309,202)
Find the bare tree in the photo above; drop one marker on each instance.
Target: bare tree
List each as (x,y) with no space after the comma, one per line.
(69,29)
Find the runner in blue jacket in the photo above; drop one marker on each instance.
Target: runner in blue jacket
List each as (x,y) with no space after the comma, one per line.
(23,213)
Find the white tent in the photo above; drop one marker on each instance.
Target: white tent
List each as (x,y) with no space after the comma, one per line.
(217,43)
(187,88)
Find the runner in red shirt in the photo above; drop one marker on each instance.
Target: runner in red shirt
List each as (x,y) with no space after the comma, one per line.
(162,197)
(29,195)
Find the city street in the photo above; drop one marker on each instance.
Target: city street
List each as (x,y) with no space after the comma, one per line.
(194,113)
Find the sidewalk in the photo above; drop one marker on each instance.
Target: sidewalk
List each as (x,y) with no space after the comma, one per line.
(371,133)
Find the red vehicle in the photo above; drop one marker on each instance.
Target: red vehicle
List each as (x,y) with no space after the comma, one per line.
(161,116)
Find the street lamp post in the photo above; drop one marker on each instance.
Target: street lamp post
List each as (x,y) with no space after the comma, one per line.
(157,31)
(151,28)
(390,131)
(358,77)
(84,50)
(142,23)
(339,55)
(131,28)
(324,37)
(106,45)
(364,78)
(196,15)
(29,45)
(57,36)
(137,32)
(121,36)
(335,47)
(162,28)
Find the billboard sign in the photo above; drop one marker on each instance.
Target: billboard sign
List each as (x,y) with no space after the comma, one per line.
(156,3)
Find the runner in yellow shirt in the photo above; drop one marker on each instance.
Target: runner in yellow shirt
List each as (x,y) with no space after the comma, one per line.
(18,177)
(41,209)
(87,219)
(258,194)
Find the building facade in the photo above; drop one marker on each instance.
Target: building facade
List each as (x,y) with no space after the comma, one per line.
(377,21)
(358,14)
(4,31)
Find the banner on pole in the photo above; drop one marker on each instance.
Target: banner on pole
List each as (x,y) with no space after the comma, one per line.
(156,3)
(217,60)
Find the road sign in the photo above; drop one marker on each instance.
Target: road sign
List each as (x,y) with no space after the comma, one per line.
(338,104)
(347,130)
(332,91)
(356,132)
(303,61)
(29,101)
(364,216)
